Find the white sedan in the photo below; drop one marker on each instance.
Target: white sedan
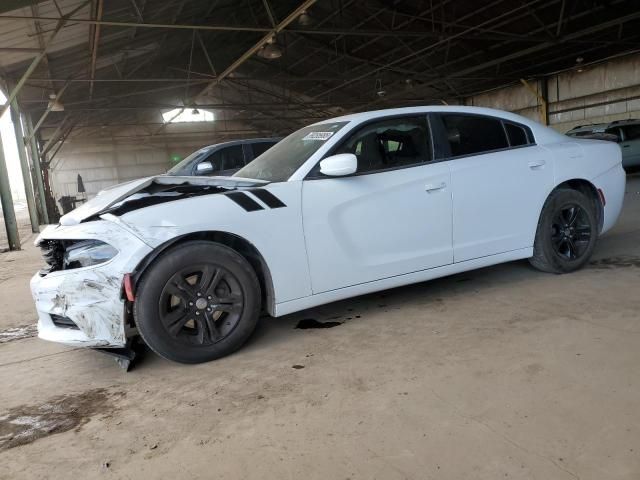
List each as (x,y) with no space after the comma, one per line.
(341,208)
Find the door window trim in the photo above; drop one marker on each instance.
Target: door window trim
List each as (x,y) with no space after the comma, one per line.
(443,143)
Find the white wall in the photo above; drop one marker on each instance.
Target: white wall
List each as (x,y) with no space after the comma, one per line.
(104,164)
(600,93)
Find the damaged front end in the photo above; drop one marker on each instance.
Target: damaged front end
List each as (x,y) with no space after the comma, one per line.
(78,295)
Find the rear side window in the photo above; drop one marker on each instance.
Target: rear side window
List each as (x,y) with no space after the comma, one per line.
(259,148)
(473,134)
(517,135)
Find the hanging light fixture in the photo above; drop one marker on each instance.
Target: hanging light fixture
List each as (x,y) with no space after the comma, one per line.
(55,105)
(271,50)
(305,19)
(579,66)
(380,91)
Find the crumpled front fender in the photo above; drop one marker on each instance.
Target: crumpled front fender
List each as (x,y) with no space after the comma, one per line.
(91,296)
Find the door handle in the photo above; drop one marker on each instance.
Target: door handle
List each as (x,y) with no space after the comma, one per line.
(536,164)
(626,146)
(431,187)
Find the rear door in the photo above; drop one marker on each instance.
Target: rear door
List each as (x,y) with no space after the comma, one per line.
(499,179)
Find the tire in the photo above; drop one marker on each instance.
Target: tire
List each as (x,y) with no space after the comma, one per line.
(567,232)
(197,302)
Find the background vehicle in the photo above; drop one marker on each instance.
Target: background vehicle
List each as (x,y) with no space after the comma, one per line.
(222,159)
(340,208)
(624,132)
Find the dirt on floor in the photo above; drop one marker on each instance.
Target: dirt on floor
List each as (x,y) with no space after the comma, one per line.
(503,372)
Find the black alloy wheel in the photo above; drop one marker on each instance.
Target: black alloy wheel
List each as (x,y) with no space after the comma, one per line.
(197,301)
(567,231)
(571,232)
(201,305)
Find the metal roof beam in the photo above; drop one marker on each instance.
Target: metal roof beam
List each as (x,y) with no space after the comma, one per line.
(36,61)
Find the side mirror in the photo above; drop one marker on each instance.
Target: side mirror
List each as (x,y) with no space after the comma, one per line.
(339,165)
(203,167)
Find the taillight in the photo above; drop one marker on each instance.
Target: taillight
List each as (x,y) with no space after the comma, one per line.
(127,283)
(602,199)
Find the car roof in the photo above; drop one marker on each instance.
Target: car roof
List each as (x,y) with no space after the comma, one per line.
(541,133)
(594,127)
(242,142)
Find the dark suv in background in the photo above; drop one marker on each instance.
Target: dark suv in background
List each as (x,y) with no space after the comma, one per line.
(222,159)
(626,133)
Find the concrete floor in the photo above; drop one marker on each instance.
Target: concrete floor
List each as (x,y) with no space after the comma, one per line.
(503,372)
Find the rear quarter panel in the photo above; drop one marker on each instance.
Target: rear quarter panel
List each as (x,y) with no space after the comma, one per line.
(596,161)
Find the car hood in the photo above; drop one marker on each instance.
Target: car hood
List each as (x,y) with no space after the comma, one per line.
(119,194)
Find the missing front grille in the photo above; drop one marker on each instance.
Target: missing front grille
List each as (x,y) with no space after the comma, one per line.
(63,322)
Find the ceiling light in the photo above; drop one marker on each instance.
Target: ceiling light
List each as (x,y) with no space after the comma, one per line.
(271,50)
(55,105)
(305,19)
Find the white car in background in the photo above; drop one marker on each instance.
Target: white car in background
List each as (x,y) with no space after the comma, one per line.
(341,208)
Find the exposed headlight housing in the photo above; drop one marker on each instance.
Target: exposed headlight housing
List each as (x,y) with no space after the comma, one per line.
(87,253)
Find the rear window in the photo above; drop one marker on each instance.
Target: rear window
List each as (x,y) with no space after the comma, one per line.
(474,134)
(517,135)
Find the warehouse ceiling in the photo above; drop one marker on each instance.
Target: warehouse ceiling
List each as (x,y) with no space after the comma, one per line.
(266,67)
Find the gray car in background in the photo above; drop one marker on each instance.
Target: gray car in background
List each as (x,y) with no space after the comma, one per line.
(625,133)
(222,159)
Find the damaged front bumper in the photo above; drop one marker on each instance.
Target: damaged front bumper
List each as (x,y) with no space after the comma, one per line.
(84,306)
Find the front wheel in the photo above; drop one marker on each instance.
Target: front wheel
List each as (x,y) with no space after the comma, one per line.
(567,232)
(197,302)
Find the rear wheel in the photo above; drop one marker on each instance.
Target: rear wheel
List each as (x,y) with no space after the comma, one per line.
(198,302)
(567,232)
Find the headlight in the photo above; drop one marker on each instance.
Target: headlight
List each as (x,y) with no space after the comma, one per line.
(87,253)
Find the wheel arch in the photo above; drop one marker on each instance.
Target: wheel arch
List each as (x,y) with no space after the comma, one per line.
(235,242)
(589,190)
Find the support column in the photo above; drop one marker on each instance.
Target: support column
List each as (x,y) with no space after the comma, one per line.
(24,166)
(7,204)
(541,97)
(37,168)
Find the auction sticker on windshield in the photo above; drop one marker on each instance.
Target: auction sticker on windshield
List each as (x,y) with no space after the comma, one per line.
(318,136)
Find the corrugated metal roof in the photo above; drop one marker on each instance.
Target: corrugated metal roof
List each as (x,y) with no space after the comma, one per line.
(414,52)
(23,33)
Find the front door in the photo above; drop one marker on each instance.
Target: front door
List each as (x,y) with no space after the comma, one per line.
(391,218)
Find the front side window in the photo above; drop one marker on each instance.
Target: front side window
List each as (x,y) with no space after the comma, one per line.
(227,158)
(282,160)
(473,134)
(195,157)
(392,143)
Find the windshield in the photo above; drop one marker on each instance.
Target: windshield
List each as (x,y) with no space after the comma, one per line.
(197,156)
(280,162)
